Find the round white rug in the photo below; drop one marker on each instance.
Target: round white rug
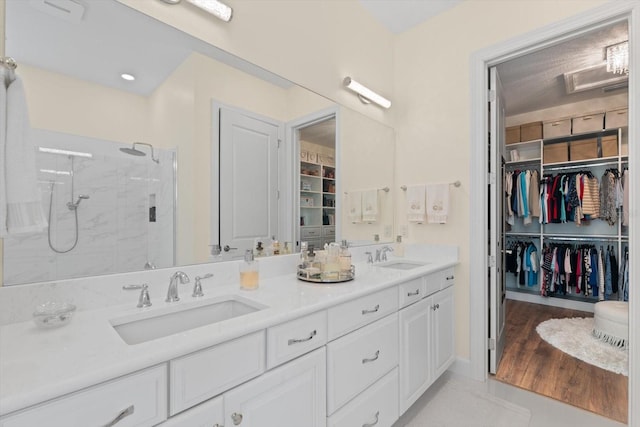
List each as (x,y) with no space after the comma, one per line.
(574,337)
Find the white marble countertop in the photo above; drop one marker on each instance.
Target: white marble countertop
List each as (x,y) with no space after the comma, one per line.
(38,364)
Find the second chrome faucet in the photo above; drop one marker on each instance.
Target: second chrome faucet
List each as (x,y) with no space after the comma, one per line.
(178,277)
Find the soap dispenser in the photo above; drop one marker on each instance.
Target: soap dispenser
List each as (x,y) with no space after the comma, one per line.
(249,272)
(345,260)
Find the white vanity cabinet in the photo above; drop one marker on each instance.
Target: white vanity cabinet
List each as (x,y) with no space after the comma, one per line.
(136,400)
(207,414)
(199,376)
(426,338)
(292,395)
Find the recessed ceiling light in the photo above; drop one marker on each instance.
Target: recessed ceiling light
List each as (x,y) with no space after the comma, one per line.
(128,77)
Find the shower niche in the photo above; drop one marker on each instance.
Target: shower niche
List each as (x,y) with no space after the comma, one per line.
(109,208)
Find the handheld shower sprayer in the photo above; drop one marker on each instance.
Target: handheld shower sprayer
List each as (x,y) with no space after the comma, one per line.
(73,206)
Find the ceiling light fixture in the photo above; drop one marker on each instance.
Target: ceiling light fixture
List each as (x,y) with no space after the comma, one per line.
(214,7)
(365,94)
(128,77)
(618,58)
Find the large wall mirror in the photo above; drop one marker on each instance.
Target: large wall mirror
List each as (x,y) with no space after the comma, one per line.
(138,158)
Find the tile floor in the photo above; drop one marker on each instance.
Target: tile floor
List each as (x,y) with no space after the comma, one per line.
(545,412)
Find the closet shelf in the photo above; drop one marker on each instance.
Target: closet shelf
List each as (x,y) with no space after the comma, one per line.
(601,161)
(524,233)
(524,161)
(581,237)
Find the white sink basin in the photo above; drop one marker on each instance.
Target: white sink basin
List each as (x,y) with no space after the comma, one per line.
(402,265)
(139,328)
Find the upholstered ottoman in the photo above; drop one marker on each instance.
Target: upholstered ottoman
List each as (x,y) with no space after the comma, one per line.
(612,322)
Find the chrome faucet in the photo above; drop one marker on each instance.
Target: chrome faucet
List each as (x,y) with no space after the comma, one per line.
(172,293)
(384,251)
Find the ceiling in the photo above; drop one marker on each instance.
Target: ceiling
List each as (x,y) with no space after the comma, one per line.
(38,34)
(536,81)
(400,15)
(322,133)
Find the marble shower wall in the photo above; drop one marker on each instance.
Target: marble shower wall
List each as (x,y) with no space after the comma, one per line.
(116,231)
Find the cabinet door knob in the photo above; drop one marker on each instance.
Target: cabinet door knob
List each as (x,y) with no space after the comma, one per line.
(373,310)
(299,340)
(122,415)
(236,418)
(377,416)
(371,359)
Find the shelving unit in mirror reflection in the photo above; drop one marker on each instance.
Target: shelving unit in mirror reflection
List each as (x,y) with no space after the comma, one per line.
(317,202)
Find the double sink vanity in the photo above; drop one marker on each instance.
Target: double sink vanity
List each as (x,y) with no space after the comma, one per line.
(291,353)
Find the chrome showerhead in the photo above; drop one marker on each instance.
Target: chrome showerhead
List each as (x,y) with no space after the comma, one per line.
(135,152)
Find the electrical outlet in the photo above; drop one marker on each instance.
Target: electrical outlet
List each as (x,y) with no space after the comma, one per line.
(387,231)
(404,230)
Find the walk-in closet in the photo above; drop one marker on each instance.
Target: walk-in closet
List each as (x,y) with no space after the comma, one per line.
(565,215)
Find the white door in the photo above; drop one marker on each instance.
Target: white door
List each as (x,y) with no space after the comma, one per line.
(248,180)
(293,395)
(497,286)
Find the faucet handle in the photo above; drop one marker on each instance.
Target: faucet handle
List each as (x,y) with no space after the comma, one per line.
(197,287)
(369,257)
(144,300)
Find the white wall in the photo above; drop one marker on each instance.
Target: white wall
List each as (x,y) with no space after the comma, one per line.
(312,43)
(432,110)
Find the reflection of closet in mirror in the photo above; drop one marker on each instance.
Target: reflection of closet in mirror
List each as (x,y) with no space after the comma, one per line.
(127,226)
(317,196)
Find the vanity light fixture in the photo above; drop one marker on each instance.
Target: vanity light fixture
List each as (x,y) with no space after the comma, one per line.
(365,94)
(128,77)
(214,7)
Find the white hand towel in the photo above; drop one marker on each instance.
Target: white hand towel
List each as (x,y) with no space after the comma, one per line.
(437,203)
(415,203)
(370,206)
(23,200)
(354,206)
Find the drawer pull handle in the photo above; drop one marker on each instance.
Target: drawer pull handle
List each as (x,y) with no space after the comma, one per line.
(236,418)
(450,277)
(587,118)
(371,359)
(299,340)
(373,423)
(411,294)
(373,310)
(122,415)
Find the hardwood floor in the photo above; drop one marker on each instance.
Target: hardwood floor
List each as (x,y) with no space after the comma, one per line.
(531,363)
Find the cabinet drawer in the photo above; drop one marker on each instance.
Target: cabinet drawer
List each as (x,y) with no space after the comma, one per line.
(359,359)
(433,282)
(329,231)
(207,414)
(351,315)
(299,336)
(556,128)
(140,398)
(588,123)
(447,278)
(376,406)
(199,376)
(310,233)
(411,291)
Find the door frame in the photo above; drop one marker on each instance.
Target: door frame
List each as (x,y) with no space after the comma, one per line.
(292,187)
(480,62)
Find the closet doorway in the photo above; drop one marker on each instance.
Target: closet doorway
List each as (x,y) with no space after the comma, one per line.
(587,26)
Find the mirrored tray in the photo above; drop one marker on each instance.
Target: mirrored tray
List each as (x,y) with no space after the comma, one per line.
(315,275)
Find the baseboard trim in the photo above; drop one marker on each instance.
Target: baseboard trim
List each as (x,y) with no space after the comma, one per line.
(462,367)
